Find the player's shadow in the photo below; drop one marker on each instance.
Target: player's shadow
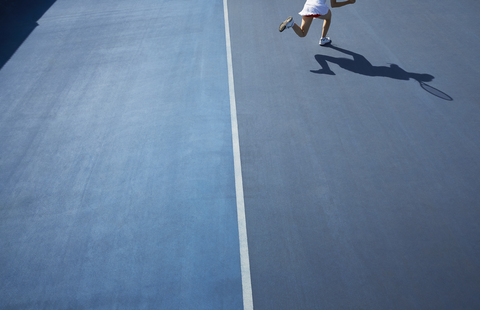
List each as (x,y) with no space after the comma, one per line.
(359,64)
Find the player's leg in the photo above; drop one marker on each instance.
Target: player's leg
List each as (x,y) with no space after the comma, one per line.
(302,30)
(327,19)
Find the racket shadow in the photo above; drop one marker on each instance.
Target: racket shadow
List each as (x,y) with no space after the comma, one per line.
(434,91)
(360,65)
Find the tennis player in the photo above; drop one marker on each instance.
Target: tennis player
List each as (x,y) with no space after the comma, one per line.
(314,9)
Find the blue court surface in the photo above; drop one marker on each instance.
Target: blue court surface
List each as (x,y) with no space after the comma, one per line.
(360,161)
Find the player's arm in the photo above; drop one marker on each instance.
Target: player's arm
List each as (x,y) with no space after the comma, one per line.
(336,4)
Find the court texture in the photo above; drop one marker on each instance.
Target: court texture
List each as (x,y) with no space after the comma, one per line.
(160,154)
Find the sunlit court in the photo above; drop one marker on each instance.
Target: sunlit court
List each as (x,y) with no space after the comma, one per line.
(159,154)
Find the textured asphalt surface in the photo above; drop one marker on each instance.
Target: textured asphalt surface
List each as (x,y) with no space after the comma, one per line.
(117,187)
(360,160)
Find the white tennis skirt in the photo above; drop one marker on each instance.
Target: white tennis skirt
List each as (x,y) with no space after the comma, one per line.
(314,7)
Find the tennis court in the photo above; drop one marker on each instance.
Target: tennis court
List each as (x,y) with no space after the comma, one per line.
(142,142)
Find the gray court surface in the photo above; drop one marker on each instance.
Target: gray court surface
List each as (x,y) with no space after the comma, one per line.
(362,189)
(360,160)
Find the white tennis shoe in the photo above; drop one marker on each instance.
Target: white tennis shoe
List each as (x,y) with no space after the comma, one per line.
(288,23)
(324,41)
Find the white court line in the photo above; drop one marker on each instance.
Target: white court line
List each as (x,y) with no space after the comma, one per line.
(242,225)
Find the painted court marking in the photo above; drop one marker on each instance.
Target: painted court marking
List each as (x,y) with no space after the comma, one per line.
(242,225)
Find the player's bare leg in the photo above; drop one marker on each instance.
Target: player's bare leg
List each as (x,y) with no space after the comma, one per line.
(327,20)
(302,30)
